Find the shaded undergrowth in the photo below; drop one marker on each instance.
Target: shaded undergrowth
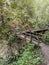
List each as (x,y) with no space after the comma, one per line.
(31,56)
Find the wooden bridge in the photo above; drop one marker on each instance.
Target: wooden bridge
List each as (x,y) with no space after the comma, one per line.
(30,35)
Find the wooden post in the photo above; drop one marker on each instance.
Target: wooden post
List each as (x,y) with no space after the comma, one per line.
(31,38)
(25,37)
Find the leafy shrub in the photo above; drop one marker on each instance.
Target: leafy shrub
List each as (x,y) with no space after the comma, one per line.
(30,56)
(2,61)
(46,38)
(4,31)
(11,38)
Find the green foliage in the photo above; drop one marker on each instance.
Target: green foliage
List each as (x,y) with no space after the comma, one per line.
(30,56)
(32,23)
(2,61)
(14,63)
(46,38)
(24,11)
(4,31)
(1,1)
(13,5)
(11,38)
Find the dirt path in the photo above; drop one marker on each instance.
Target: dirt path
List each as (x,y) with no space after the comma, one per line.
(45,50)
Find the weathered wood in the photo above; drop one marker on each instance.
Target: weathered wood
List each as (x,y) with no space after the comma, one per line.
(37,31)
(34,34)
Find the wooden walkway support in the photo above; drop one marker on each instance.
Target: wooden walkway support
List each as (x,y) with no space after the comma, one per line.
(36,34)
